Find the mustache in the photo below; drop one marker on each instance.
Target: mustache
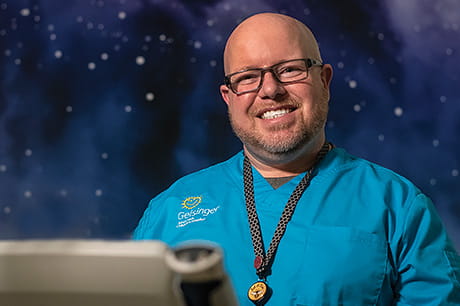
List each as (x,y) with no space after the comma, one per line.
(257,109)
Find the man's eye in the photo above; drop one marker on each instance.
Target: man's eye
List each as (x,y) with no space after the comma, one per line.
(291,70)
(246,78)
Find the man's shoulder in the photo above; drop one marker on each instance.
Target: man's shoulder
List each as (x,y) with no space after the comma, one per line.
(364,182)
(217,174)
(348,165)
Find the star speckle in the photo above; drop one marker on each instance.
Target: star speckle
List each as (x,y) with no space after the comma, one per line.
(398,111)
(197,44)
(7,210)
(140,60)
(25,12)
(121,15)
(149,96)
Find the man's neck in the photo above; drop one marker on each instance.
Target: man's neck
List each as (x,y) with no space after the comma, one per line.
(287,167)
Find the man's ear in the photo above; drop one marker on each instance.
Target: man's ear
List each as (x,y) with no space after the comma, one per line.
(326,75)
(225,92)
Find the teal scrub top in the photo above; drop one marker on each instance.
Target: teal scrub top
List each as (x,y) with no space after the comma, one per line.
(360,234)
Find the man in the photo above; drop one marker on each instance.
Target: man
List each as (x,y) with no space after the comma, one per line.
(302,222)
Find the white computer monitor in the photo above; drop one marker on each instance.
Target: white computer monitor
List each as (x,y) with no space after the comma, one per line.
(86,272)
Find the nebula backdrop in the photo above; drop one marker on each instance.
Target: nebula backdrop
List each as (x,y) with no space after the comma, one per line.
(104,103)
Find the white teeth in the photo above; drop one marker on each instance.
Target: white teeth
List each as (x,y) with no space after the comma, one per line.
(275,113)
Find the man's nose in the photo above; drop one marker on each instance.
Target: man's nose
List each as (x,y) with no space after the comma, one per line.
(271,87)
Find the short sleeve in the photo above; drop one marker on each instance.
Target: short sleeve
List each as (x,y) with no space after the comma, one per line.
(428,265)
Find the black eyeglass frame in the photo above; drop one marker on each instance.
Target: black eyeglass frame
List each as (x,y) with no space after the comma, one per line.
(308,62)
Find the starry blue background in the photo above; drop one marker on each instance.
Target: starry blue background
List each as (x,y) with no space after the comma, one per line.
(104,103)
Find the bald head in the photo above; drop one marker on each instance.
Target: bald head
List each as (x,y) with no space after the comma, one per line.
(265,29)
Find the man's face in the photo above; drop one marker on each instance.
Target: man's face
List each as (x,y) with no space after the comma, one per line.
(278,118)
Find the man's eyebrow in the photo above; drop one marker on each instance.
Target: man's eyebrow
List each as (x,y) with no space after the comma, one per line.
(248,67)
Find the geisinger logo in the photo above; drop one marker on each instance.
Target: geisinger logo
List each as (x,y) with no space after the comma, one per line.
(191,202)
(193,214)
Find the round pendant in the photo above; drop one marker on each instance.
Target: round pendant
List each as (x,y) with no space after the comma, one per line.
(259,293)
(258,262)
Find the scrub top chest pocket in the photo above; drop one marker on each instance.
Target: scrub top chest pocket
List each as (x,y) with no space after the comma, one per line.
(342,266)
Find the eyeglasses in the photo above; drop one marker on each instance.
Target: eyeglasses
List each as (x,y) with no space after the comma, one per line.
(250,80)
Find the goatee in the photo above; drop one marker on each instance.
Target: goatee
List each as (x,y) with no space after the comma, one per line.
(273,143)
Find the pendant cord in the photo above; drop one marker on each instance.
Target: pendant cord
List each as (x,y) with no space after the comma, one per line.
(264,261)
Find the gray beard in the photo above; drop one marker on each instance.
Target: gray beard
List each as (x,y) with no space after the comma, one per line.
(284,146)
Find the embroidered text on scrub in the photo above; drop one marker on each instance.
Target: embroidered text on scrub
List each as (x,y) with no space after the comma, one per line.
(200,211)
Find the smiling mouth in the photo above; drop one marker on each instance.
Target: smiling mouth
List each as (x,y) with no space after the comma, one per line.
(272,114)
